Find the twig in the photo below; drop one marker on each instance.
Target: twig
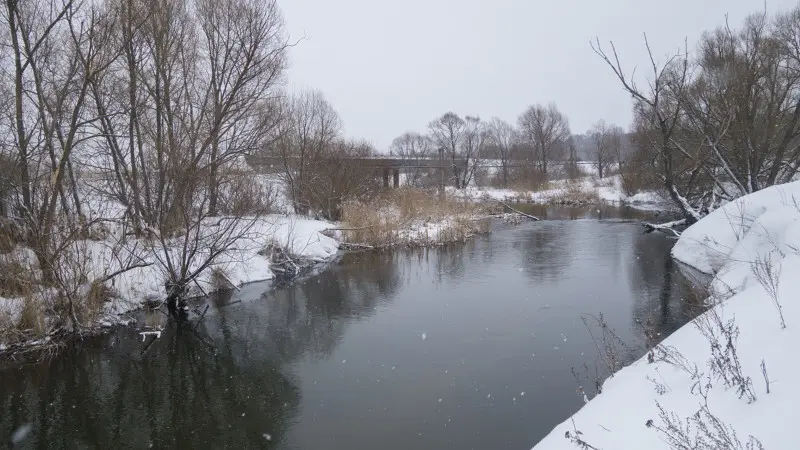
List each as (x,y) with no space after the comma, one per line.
(202,316)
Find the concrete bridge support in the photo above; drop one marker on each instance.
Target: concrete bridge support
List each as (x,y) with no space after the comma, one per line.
(395,177)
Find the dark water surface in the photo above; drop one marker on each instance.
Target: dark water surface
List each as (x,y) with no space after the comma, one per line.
(467,346)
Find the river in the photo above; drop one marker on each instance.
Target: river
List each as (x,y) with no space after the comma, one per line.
(465,346)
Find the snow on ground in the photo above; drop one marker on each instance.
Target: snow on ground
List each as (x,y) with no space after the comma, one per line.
(608,190)
(242,264)
(728,243)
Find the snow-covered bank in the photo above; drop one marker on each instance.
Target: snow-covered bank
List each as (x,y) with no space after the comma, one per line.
(246,262)
(249,260)
(586,190)
(727,375)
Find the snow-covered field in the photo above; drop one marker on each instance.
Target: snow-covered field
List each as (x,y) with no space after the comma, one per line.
(607,190)
(752,247)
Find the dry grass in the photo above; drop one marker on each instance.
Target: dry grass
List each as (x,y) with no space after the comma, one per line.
(99,294)
(31,318)
(409,216)
(575,194)
(14,279)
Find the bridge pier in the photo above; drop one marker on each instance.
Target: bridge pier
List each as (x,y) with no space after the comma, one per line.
(395,177)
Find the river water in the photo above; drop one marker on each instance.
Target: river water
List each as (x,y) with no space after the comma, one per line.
(465,346)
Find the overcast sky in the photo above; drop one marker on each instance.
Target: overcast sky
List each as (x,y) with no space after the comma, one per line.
(391,66)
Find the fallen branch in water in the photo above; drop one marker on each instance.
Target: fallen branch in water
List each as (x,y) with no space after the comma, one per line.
(668,227)
(347,229)
(518,211)
(346,245)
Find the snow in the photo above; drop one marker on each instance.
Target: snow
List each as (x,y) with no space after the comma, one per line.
(241,264)
(758,227)
(608,190)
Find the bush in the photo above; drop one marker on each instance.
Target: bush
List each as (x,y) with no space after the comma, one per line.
(637,175)
(246,194)
(332,177)
(385,219)
(14,279)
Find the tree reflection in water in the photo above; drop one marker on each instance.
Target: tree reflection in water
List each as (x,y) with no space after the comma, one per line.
(501,314)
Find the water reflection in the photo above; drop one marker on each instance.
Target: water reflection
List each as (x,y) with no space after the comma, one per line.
(426,348)
(181,393)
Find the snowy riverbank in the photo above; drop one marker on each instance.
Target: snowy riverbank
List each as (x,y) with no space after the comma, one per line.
(587,190)
(250,260)
(725,379)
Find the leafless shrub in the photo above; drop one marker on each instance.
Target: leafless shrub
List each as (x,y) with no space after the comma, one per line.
(524,176)
(673,357)
(576,437)
(701,431)
(337,176)
(594,379)
(14,278)
(768,275)
(724,362)
(245,194)
(660,387)
(609,345)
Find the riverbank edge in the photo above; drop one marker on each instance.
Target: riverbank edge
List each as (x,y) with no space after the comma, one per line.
(299,267)
(416,235)
(297,237)
(643,404)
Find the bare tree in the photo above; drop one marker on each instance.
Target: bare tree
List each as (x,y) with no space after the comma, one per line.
(600,137)
(472,148)
(742,102)
(415,148)
(725,122)
(57,49)
(195,89)
(310,128)
(658,112)
(546,130)
(245,54)
(607,139)
(501,138)
(447,132)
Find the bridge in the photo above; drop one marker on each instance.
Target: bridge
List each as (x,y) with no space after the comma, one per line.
(392,165)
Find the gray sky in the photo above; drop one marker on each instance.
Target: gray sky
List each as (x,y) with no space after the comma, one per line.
(392,66)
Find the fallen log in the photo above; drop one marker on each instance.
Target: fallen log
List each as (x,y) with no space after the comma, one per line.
(668,227)
(518,211)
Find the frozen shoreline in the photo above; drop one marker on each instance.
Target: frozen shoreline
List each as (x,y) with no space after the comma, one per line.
(735,243)
(246,263)
(584,191)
